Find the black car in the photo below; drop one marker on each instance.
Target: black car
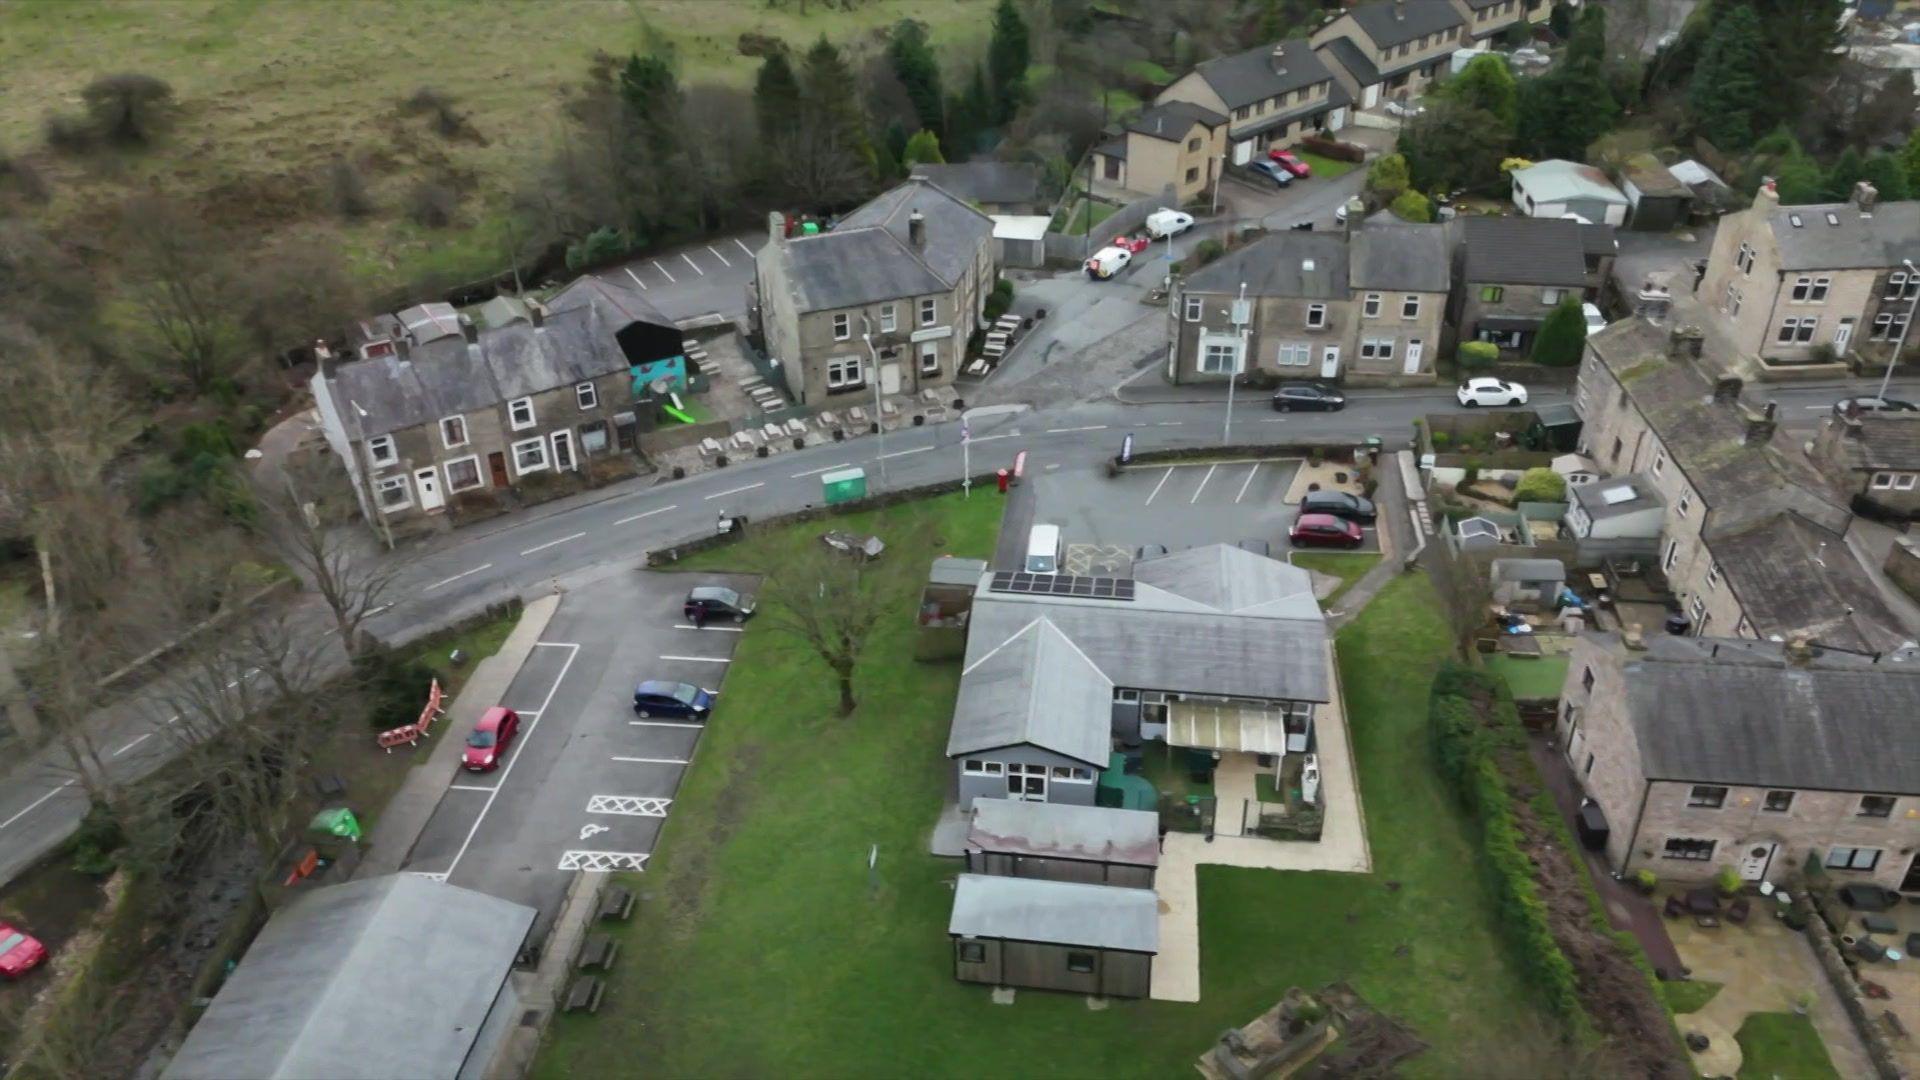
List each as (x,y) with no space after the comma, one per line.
(1149,551)
(1307,397)
(665,698)
(716,602)
(1339,504)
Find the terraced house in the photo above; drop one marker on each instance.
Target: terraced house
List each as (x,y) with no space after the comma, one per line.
(1492,18)
(1271,96)
(1390,49)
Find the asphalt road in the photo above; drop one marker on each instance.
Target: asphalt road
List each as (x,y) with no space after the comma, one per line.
(699,279)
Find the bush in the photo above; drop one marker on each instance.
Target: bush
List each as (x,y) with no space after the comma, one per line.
(1727,881)
(1413,206)
(1205,252)
(395,687)
(92,844)
(68,133)
(1541,485)
(1562,337)
(1387,177)
(431,204)
(129,108)
(1472,473)
(1477,355)
(1441,440)
(602,245)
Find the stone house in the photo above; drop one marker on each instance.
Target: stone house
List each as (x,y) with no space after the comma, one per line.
(1390,49)
(1707,753)
(1272,96)
(1509,272)
(1873,455)
(1177,146)
(1790,280)
(995,187)
(1364,306)
(1491,18)
(893,292)
(1753,541)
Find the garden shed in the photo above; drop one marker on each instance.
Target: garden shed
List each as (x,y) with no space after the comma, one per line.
(1054,935)
(1063,842)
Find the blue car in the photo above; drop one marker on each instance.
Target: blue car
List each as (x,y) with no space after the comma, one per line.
(656,698)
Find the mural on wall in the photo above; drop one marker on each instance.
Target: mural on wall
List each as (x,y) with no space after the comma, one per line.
(673,369)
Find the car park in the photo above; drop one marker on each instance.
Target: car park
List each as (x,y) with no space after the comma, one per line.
(1107,262)
(1340,504)
(20,952)
(1307,397)
(656,697)
(1256,546)
(1271,171)
(1291,162)
(707,602)
(1165,223)
(1325,530)
(1857,405)
(488,742)
(1595,320)
(1486,390)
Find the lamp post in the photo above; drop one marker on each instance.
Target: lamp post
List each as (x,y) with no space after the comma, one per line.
(1233,376)
(1218,172)
(1913,295)
(873,369)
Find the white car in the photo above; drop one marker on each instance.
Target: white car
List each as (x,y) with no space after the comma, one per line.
(1397,107)
(1486,390)
(1595,320)
(1164,223)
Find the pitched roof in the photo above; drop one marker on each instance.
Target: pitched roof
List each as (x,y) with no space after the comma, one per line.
(620,303)
(1308,265)
(1393,22)
(1032,686)
(1524,251)
(1556,180)
(1232,581)
(1796,579)
(986,182)
(954,230)
(1056,912)
(1171,121)
(1738,712)
(1654,179)
(320,991)
(869,255)
(1599,501)
(1837,236)
(1886,440)
(1065,831)
(1354,59)
(1412,258)
(1263,72)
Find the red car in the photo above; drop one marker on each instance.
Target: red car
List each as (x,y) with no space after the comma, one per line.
(1133,245)
(20,952)
(1325,530)
(490,738)
(1287,160)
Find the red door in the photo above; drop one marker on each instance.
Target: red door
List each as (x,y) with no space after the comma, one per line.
(497,464)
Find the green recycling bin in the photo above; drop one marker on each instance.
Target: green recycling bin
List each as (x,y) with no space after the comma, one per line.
(844,485)
(338,821)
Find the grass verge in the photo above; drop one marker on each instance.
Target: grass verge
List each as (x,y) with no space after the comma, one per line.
(1347,566)
(1782,1046)
(1689,996)
(1326,168)
(1531,678)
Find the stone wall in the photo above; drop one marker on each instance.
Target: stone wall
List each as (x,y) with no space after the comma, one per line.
(1827,951)
(1903,565)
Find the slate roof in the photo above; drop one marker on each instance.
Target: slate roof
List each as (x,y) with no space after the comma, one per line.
(1796,579)
(989,183)
(1352,57)
(1032,686)
(869,256)
(1654,179)
(1232,581)
(955,231)
(1524,251)
(1887,440)
(1858,241)
(1407,258)
(389,976)
(1556,180)
(1390,23)
(619,303)
(1171,122)
(1591,497)
(1064,831)
(1744,715)
(1277,266)
(1263,72)
(1056,912)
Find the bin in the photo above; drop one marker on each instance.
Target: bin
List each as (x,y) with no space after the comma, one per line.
(844,485)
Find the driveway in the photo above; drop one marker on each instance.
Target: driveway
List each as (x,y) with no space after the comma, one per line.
(1673,254)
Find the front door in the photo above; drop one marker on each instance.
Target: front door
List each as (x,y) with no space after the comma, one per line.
(563,451)
(1330,361)
(1243,152)
(1911,883)
(1842,337)
(428,481)
(1755,860)
(497,465)
(1028,782)
(889,378)
(1371,97)
(1414,349)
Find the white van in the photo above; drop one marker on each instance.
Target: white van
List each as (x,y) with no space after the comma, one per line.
(1108,261)
(1164,223)
(1044,551)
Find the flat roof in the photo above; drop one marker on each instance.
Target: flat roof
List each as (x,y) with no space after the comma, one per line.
(1227,725)
(1056,913)
(1065,831)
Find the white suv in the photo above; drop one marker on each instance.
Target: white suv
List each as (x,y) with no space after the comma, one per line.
(1490,391)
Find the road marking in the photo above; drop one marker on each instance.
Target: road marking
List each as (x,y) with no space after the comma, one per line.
(650,513)
(552,543)
(441,878)
(470,787)
(722,629)
(133,744)
(1203,485)
(717,255)
(743,247)
(1063,430)
(990,438)
(664,723)
(35,804)
(652,760)
(457,577)
(663,272)
(1816,408)
(628,805)
(600,862)
(699,659)
(1158,486)
(1275,420)
(816,472)
(1245,483)
(636,278)
(1168,423)
(695,265)
(736,491)
(904,453)
(507,769)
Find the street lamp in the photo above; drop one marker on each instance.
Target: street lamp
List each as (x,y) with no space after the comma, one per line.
(1218,172)
(1913,295)
(873,370)
(1240,320)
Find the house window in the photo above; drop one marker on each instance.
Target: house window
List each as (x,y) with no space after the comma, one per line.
(842,326)
(1900,285)
(1193,144)
(1887,326)
(453,431)
(1733,301)
(1744,260)
(1673,553)
(1713,575)
(1070,775)
(1697,610)
(843,372)
(1294,354)
(1551,297)
(1586,680)
(1219,358)
(1195,306)
(529,456)
(1316,316)
(593,437)
(1778,802)
(929,358)
(1080,963)
(1193,174)
(520,413)
(1659,463)
(1491,294)
(1811,290)
(1853,858)
(973,952)
(380,450)
(587,396)
(1685,504)
(1904,482)
(1681,847)
(464,474)
(393,493)
(1371,307)
(1876,806)
(1798,330)
(1377,349)
(1707,796)
(1409,307)
(1588,770)
(929,309)
(1882,481)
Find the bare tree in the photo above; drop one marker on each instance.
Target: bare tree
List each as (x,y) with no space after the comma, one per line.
(295,292)
(1465,591)
(308,514)
(830,601)
(181,270)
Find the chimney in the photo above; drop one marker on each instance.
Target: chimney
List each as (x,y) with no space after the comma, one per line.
(1684,343)
(1760,428)
(1355,211)
(1851,427)
(403,348)
(1799,649)
(1653,301)
(1726,390)
(1633,637)
(1768,196)
(1400,9)
(776,226)
(1279,58)
(469,330)
(323,358)
(1864,196)
(537,311)
(917,231)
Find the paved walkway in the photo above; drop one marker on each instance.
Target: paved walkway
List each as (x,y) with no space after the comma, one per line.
(1395,534)
(1764,967)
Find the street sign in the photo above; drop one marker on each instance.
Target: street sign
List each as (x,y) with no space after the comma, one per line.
(1126,449)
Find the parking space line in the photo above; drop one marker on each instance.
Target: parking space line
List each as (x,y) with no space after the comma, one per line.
(552,543)
(133,744)
(664,723)
(35,804)
(652,760)
(816,472)
(722,629)
(1244,483)
(628,805)
(695,265)
(1158,486)
(650,513)
(507,769)
(663,272)
(457,577)
(1203,485)
(470,787)
(736,491)
(717,255)
(636,279)
(1274,420)
(743,247)
(699,659)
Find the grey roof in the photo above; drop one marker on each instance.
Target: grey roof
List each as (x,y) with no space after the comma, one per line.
(1852,241)
(1032,686)
(1233,581)
(1352,57)
(1592,497)
(1527,570)
(1170,122)
(429,322)
(1409,258)
(391,976)
(1056,912)
(1558,180)
(1260,73)
(869,256)
(1886,440)
(1277,266)
(504,309)
(1393,22)
(1064,831)
(1524,251)
(955,231)
(1737,714)
(620,304)
(1113,148)
(989,183)
(1654,179)
(1796,579)
(953,570)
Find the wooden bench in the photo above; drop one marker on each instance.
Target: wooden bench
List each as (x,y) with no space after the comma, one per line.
(978,367)
(585,994)
(616,902)
(597,951)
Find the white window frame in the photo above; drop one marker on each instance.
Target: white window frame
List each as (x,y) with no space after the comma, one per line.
(513,421)
(1744,258)
(1218,356)
(930,358)
(1370,307)
(1713,575)
(1896,286)
(837,377)
(1685,504)
(1378,348)
(1293,354)
(929,310)
(1797,331)
(1672,556)
(1410,306)
(1887,325)
(1848,858)
(392,483)
(1882,481)
(978,767)
(546,459)
(1551,297)
(1904,482)
(887,325)
(1075,775)
(1732,306)
(381,451)
(1196,307)
(448,441)
(1316,316)
(1767,799)
(1697,609)
(1860,810)
(1697,801)
(479,476)
(1659,462)
(588,395)
(842,326)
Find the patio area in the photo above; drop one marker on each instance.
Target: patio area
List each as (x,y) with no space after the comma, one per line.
(1763,967)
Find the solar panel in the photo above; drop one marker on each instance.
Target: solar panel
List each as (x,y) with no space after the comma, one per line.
(1091,588)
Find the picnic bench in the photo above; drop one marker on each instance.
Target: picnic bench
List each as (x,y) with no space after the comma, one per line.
(616,902)
(585,994)
(597,951)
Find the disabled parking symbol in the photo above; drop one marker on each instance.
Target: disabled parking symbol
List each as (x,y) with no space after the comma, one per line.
(588,832)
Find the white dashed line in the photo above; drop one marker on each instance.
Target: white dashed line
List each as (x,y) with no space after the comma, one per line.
(1063,430)
(717,255)
(817,472)
(652,760)
(1203,485)
(636,278)
(743,247)
(663,272)
(552,543)
(664,723)
(649,513)
(1158,486)
(133,744)
(722,629)
(904,453)
(990,438)
(1274,420)
(736,491)
(1168,423)
(457,577)
(699,659)
(470,787)
(35,804)
(1245,483)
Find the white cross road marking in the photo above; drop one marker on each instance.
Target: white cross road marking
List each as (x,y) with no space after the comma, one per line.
(636,278)
(628,806)
(457,577)
(717,255)
(552,543)
(649,513)
(663,272)
(603,861)
(652,760)
(736,491)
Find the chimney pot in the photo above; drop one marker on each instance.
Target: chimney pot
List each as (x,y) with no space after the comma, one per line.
(403,348)
(1760,428)
(537,311)
(1864,196)
(1768,195)
(917,230)
(1726,390)
(469,330)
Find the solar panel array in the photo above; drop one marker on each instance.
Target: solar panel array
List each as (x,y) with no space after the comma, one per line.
(1091,588)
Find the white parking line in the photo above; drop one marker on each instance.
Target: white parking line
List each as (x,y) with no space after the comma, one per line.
(457,577)
(904,453)
(1245,483)
(652,760)
(736,491)
(507,769)
(664,723)
(470,787)
(552,543)
(717,255)
(663,272)
(35,804)
(743,247)
(133,744)
(1203,485)
(816,472)
(1089,427)
(990,438)
(1158,486)
(1168,423)
(699,659)
(722,629)
(636,278)
(649,513)
(695,265)
(1816,408)
(1274,420)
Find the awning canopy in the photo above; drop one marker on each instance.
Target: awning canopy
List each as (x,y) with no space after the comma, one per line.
(1228,725)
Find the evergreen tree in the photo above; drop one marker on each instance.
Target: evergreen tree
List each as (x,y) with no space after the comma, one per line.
(1008,54)
(1910,161)
(1565,110)
(651,95)
(1888,176)
(970,116)
(1589,39)
(1487,83)
(776,96)
(828,94)
(665,201)
(1724,100)
(917,69)
(1847,170)
(1452,146)
(1799,180)
(1562,336)
(923,149)
(1800,45)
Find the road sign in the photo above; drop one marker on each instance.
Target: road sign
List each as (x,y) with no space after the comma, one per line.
(1126,449)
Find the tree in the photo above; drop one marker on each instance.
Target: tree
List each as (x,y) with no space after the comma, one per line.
(1724,98)
(1798,180)
(1562,112)
(1461,578)
(1562,337)
(1452,146)
(1888,176)
(181,276)
(294,292)
(309,517)
(1910,161)
(919,71)
(1413,206)
(1588,43)
(831,603)
(130,108)
(828,92)
(1560,20)
(1540,484)
(1487,83)
(1847,170)
(776,96)
(1387,177)
(922,149)
(1008,53)
(969,116)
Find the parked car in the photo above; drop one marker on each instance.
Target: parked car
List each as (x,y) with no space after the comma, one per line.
(1401,108)
(1149,551)
(658,698)
(1165,223)
(20,952)
(1257,546)
(1307,397)
(1291,162)
(1271,171)
(1107,262)
(1595,320)
(1872,404)
(1132,245)
(1325,530)
(491,736)
(1339,504)
(707,602)
(1487,390)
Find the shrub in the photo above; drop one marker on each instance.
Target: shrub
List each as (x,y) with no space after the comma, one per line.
(94,842)
(129,108)
(1477,355)
(1387,177)
(395,687)
(431,204)
(1562,337)
(1646,880)
(1413,206)
(1441,440)
(1823,353)
(347,190)
(68,133)
(1727,881)
(1205,252)
(1541,485)
(1473,473)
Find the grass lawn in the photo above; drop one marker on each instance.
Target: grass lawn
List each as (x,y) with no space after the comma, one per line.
(764,945)
(1326,168)
(1086,214)
(1347,566)
(478,642)
(1689,996)
(1148,71)
(1782,1045)
(1531,678)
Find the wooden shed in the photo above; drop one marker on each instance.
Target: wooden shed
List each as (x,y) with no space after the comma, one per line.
(1054,935)
(1063,842)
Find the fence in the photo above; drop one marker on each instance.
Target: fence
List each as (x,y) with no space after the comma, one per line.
(1062,247)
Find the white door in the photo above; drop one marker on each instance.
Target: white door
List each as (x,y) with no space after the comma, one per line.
(563,451)
(1372,97)
(889,378)
(1755,860)
(1337,119)
(1843,336)
(1028,782)
(1414,348)
(1243,151)
(1330,361)
(428,481)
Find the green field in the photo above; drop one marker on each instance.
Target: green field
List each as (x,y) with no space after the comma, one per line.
(1782,1046)
(1347,566)
(1534,679)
